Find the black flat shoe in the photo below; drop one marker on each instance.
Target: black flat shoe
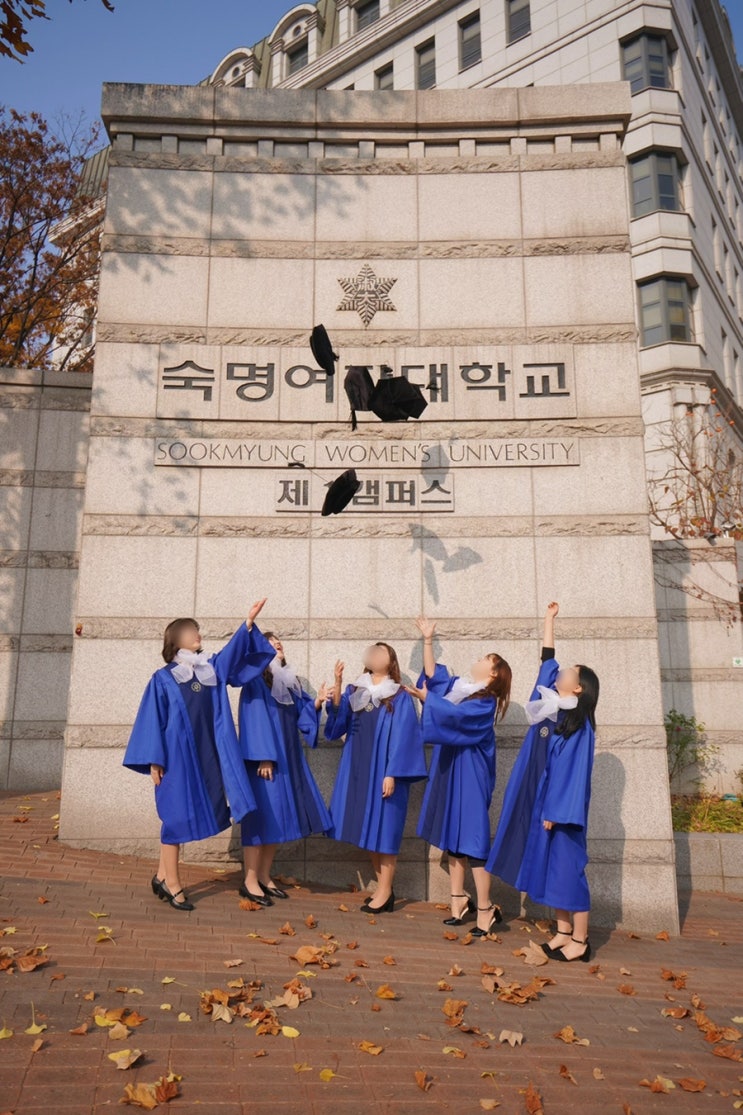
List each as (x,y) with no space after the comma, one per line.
(157,886)
(273,892)
(387,908)
(496,919)
(171,899)
(585,956)
(259,899)
(469,908)
(551,951)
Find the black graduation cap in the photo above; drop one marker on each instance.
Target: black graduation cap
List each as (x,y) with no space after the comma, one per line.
(394,399)
(341,492)
(359,387)
(322,349)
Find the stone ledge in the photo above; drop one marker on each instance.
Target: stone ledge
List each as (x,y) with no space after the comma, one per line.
(709,861)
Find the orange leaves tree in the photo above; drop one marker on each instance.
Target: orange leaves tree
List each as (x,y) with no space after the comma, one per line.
(49,244)
(15,17)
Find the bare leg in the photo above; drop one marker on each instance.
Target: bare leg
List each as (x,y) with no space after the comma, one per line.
(252,859)
(485,908)
(265,862)
(457,868)
(376,866)
(564,930)
(576,946)
(168,869)
(386,877)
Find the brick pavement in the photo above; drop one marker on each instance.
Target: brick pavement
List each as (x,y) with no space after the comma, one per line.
(50,892)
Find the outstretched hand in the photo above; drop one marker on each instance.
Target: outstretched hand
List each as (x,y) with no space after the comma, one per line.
(324,694)
(414,691)
(427,627)
(553,609)
(255,611)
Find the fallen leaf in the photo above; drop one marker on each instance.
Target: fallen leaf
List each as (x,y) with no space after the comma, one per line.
(729,1051)
(118,1032)
(533,1101)
(449,936)
(598,1074)
(184,1017)
(326,1075)
(288,930)
(569,1036)
(42,900)
(343,908)
(168,979)
(423,1080)
(105,933)
(302,1066)
(232,963)
(675,1012)
(310,922)
(289,1032)
(624,972)
(37,1045)
(626,989)
(79,1031)
(97,914)
(662,936)
(389,960)
(5,1032)
(125,1058)
(567,1075)
(532,954)
(34,1028)
(386,992)
(454,1009)
(489,1105)
(690,1085)
(455,1051)
(371,1048)
(511,1036)
(308,954)
(660,1084)
(261,1053)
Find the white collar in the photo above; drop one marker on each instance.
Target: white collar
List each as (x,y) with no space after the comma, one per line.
(548,706)
(190,663)
(366,692)
(462,688)
(285,684)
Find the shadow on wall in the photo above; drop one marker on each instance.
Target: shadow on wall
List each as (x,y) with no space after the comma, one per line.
(607,795)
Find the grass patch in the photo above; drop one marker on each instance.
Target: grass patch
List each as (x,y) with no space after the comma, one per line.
(706,813)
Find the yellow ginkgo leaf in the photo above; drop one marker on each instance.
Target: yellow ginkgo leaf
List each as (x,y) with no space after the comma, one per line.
(166,1006)
(326,1075)
(307,975)
(168,979)
(302,1066)
(184,1017)
(5,1032)
(34,1028)
(125,1058)
(289,1032)
(96,914)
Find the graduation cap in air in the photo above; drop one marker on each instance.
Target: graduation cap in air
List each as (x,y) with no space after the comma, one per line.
(322,349)
(359,388)
(341,492)
(394,399)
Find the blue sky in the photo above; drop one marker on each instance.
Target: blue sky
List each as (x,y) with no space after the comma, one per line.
(162,41)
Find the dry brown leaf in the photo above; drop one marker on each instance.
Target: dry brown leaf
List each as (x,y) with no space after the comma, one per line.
(308,954)
(532,955)
(246,904)
(390,960)
(598,1074)
(690,1085)
(675,1012)
(533,1101)
(489,1104)
(454,1051)
(454,1010)
(513,1037)
(352,945)
(423,1080)
(118,1032)
(567,1075)
(310,922)
(125,1058)
(384,991)
(569,1036)
(660,1084)
(626,989)
(360,963)
(37,1045)
(455,970)
(81,1030)
(442,985)
(449,936)
(232,963)
(662,936)
(371,1048)
(730,1051)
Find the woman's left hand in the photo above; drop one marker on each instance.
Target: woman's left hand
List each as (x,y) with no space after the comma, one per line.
(547,825)
(255,611)
(413,690)
(265,770)
(388,787)
(324,694)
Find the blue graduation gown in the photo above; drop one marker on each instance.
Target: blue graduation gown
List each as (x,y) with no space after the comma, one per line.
(461,778)
(163,735)
(290,806)
(550,781)
(380,743)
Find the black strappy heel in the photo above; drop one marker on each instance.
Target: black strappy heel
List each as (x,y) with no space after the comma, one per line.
(171,899)
(469,908)
(495,920)
(157,886)
(585,956)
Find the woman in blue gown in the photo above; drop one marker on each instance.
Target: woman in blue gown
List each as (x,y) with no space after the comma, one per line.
(382,755)
(184,737)
(274,710)
(458,718)
(540,843)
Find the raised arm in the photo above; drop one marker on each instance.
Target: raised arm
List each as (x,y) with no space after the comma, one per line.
(548,639)
(427,629)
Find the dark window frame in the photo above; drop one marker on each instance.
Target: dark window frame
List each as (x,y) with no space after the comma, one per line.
(425,72)
(669,299)
(472,46)
(518,20)
(361,18)
(649,63)
(297,50)
(382,73)
(660,196)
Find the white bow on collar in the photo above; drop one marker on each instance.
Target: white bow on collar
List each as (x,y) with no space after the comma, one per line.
(190,663)
(548,706)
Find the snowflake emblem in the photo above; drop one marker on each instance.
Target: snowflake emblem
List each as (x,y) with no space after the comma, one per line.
(367,294)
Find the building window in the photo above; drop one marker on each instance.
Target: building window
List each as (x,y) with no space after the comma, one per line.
(518,19)
(645,62)
(655,183)
(367,13)
(297,58)
(385,78)
(664,311)
(426,65)
(470,49)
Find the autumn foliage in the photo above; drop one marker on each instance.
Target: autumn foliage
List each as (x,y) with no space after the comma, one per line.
(49,244)
(15,18)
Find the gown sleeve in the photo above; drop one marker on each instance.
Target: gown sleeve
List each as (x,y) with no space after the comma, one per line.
(308,718)
(440,682)
(547,676)
(339,719)
(568,787)
(244,657)
(468,724)
(257,728)
(146,744)
(405,755)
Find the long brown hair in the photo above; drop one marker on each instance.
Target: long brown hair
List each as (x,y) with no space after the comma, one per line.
(172,637)
(267,675)
(393,671)
(499,686)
